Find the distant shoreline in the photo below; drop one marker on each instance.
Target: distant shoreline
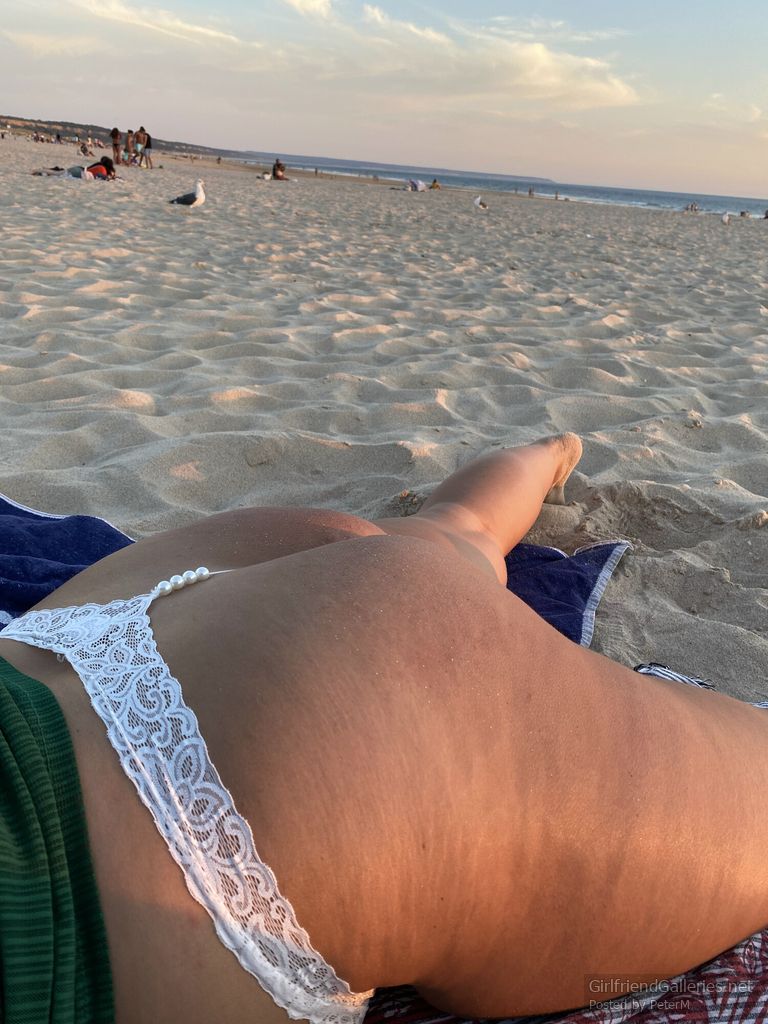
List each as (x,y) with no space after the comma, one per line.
(355,170)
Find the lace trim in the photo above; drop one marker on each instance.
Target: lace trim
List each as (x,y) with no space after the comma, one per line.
(156,735)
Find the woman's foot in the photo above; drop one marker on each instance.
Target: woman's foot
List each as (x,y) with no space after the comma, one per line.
(568,449)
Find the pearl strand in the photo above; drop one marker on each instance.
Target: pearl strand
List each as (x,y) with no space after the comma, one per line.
(178,582)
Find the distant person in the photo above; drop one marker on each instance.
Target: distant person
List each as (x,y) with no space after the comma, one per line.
(139,142)
(530,192)
(103,169)
(147,154)
(129,153)
(117,140)
(278,170)
(435,183)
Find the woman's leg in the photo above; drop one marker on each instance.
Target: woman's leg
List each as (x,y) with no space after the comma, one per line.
(480,512)
(488,506)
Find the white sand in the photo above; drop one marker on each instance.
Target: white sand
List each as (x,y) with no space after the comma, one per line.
(338,343)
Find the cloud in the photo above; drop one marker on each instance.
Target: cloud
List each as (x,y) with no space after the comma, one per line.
(39,45)
(734,110)
(376,16)
(478,66)
(542,29)
(715,101)
(156,20)
(313,8)
(398,63)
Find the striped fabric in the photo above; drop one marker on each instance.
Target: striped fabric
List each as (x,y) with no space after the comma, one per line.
(663,672)
(54,964)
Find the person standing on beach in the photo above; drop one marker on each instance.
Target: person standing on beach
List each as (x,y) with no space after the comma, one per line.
(130,147)
(147,154)
(117,139)
(140,139)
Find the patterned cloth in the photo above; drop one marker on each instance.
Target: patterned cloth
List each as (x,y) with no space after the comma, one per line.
(731,989)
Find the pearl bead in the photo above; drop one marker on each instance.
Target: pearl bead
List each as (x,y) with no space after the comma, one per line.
(164,587)
(202,573)
(190,576)
(177,582)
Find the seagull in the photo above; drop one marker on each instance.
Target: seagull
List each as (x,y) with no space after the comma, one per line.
(480,204)
(726,218)
(196,198)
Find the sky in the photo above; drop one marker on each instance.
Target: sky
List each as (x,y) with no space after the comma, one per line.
(669,95)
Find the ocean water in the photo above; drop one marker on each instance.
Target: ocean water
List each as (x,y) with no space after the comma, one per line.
(481,182)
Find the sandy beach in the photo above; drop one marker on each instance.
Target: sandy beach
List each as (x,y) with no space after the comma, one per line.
(343,344)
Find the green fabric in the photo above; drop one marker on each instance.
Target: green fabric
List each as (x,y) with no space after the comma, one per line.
(54,963)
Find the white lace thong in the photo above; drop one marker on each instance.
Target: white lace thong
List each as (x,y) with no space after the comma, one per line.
(112,649)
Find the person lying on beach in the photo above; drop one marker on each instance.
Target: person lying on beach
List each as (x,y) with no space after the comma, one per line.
(103,170)
(442,789)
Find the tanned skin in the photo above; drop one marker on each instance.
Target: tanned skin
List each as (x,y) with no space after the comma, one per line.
(449,792)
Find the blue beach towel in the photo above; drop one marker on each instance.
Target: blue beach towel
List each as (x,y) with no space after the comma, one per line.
(564,589)
(40,551)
